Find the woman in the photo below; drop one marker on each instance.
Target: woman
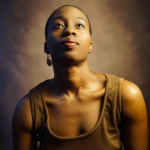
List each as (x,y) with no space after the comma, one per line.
(78,109)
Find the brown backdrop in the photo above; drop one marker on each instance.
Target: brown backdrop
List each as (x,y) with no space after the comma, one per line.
(121,46)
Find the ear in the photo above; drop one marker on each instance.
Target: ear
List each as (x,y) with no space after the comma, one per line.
(46,50)
(90,49)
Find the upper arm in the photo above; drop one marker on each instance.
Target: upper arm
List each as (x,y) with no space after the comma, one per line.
(23,138)
(134,117)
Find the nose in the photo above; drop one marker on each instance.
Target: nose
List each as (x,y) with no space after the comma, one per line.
(69,31)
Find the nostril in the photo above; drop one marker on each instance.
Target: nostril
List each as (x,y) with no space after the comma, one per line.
(69,32)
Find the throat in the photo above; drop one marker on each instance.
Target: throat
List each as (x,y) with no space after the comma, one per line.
(73,84)
(72,77)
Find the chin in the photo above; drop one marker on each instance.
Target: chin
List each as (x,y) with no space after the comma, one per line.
(70,58)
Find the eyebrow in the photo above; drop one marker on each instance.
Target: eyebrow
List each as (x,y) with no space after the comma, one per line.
(81,18)
(61,17)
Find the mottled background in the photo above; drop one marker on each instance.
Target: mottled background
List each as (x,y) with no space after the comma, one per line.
(121,46)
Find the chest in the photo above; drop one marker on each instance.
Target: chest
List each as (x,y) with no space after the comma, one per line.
(73,118)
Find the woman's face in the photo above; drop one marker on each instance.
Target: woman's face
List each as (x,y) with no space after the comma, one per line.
(68,39)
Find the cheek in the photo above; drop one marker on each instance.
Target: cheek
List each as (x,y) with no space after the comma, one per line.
(86,42)
(52,41)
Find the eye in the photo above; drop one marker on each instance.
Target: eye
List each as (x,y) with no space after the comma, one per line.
(58,25)
(79,25)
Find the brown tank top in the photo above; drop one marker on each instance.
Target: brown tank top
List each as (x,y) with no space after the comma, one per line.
(105,135)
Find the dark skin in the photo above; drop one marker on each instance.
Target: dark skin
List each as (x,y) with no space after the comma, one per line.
(79,96)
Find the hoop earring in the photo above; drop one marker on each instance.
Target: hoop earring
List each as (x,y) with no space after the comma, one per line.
(49,62)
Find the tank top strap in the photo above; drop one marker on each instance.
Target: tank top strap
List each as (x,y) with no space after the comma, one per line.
(37,108)
(113,104)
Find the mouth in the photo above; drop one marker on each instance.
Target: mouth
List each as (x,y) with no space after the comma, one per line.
(69,42)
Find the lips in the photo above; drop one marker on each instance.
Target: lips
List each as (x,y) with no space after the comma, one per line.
(69,42)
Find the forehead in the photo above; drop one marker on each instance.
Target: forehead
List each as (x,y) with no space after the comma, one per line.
(69,11)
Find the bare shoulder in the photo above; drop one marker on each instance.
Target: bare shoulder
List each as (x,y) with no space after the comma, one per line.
(134,117)
(132,99)
(130,89)
(22,118)
(23,138)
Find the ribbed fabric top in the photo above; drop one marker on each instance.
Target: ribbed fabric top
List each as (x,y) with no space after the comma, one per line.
(105,135)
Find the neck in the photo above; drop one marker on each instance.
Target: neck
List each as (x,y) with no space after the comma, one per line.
(71,78)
